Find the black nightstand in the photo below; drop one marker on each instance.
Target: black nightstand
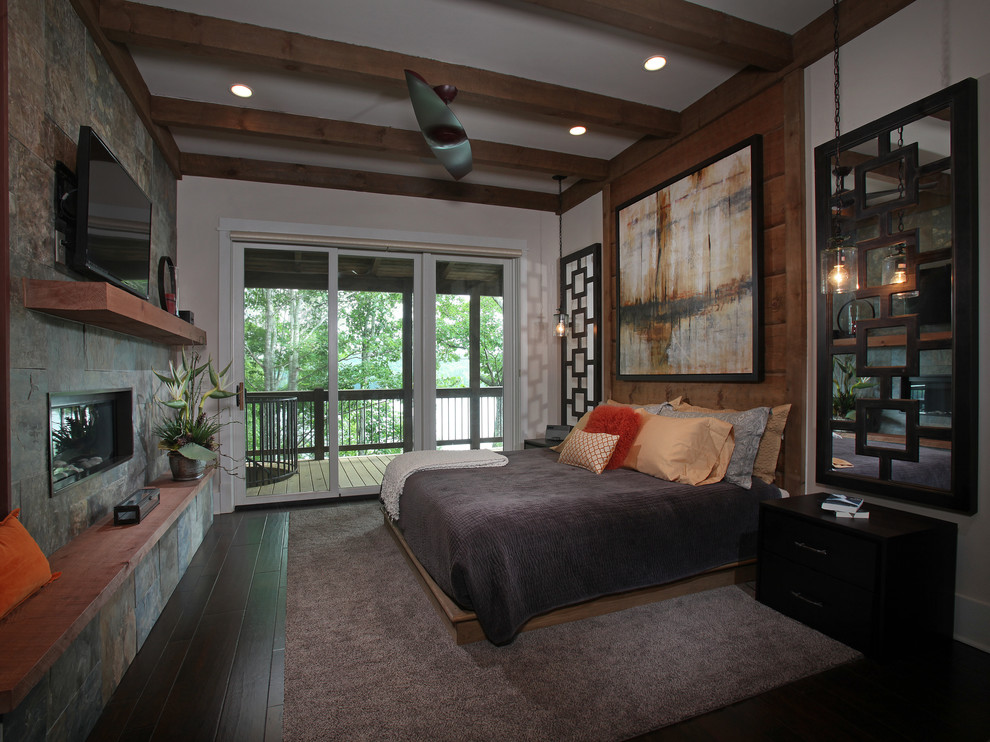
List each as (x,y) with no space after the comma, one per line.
(538,443)
(877,584)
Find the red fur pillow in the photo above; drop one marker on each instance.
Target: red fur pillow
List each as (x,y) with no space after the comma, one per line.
(620,421)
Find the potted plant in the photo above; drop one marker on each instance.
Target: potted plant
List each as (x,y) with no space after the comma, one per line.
(847,384)
(187,432)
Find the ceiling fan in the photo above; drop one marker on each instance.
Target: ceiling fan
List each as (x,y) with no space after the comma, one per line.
(440,127)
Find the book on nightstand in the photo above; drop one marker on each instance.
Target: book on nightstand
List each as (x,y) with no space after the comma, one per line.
(842,503)
(858,514)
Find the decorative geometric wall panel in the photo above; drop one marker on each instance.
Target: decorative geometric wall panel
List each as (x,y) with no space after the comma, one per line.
(581,347)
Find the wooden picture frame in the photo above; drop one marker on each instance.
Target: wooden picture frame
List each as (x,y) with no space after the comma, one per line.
(689,270)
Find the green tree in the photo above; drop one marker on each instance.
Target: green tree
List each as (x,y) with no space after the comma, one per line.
(285,339)
(369,340)
(454,339)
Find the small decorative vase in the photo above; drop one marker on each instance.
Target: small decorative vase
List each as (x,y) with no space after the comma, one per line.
(183,469)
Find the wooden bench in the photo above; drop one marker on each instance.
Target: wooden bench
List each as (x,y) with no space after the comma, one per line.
(94,566)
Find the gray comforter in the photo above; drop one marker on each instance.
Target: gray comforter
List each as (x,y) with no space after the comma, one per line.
(516,541)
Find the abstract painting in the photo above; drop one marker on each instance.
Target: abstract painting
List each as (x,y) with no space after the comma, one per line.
(689,273)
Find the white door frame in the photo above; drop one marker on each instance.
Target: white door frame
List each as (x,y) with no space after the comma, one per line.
(230,337)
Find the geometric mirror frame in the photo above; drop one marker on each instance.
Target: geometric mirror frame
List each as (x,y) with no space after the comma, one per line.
(897,357)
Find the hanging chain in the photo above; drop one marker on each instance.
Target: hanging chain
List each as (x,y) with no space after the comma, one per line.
(900,178)
(560,238)
(835,71)
(835,68)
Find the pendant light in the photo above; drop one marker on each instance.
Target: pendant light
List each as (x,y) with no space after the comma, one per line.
(560,317)
(894,268)
(839,262)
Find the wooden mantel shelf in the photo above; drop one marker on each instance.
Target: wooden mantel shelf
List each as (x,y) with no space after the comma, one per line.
(106,306)
(94,566)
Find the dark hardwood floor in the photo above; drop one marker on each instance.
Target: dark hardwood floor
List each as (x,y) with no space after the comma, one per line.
(212,668)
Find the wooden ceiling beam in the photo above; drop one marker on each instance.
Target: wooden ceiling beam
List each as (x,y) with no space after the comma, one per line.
(234,119)
(125,70)
(215,38)
(262,171)
(811,43)
(686,24)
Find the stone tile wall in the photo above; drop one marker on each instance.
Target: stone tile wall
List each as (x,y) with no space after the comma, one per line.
(59,81)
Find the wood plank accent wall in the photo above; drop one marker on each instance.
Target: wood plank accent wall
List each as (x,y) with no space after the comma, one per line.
(777,114)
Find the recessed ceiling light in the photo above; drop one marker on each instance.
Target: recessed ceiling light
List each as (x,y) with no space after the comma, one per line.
(241,91)
(654,63)
(578,130)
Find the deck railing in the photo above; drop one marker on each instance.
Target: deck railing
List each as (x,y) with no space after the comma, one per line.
(377,420)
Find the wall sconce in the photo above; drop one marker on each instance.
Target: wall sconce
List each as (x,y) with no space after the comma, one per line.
(894,268)
(560,330)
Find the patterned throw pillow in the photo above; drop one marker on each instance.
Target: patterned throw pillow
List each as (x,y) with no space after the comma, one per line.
(590,451)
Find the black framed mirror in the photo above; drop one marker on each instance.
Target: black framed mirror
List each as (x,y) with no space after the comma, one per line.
(897,366)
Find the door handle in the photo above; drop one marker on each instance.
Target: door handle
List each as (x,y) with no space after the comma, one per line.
(240,395)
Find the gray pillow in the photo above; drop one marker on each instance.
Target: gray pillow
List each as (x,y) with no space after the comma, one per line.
(748,426)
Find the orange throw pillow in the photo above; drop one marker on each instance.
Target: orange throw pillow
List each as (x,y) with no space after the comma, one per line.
(24,568)
(616,420)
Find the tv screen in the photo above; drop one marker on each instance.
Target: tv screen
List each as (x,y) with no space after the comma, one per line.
(112,239)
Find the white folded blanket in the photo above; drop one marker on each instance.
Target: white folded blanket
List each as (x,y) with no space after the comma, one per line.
(399,469)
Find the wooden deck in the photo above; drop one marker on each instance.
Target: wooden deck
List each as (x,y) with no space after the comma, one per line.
(314,476)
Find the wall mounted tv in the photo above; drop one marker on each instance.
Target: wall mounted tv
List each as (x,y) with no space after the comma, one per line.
(106,218)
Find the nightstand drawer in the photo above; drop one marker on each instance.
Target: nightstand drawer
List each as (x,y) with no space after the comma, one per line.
(842,611)
(845,556)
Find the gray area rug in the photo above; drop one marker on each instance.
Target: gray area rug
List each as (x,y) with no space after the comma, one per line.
(367,658)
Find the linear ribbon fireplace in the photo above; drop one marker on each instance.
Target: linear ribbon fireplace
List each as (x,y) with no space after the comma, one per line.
(89,432)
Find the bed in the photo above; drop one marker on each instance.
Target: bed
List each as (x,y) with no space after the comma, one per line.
(535,542)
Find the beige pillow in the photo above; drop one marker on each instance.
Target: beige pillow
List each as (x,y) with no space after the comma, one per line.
(765,465)
(590,451)
(692,450)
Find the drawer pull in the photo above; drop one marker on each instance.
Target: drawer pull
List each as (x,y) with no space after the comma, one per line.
(802,545)
(799,596)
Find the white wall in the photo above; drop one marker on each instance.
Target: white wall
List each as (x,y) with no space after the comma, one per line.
(924,48)
(204,202)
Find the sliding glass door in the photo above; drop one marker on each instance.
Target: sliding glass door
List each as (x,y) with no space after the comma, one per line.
(346,365)
(285,367)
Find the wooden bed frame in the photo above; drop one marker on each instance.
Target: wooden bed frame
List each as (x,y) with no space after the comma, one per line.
(464,628)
